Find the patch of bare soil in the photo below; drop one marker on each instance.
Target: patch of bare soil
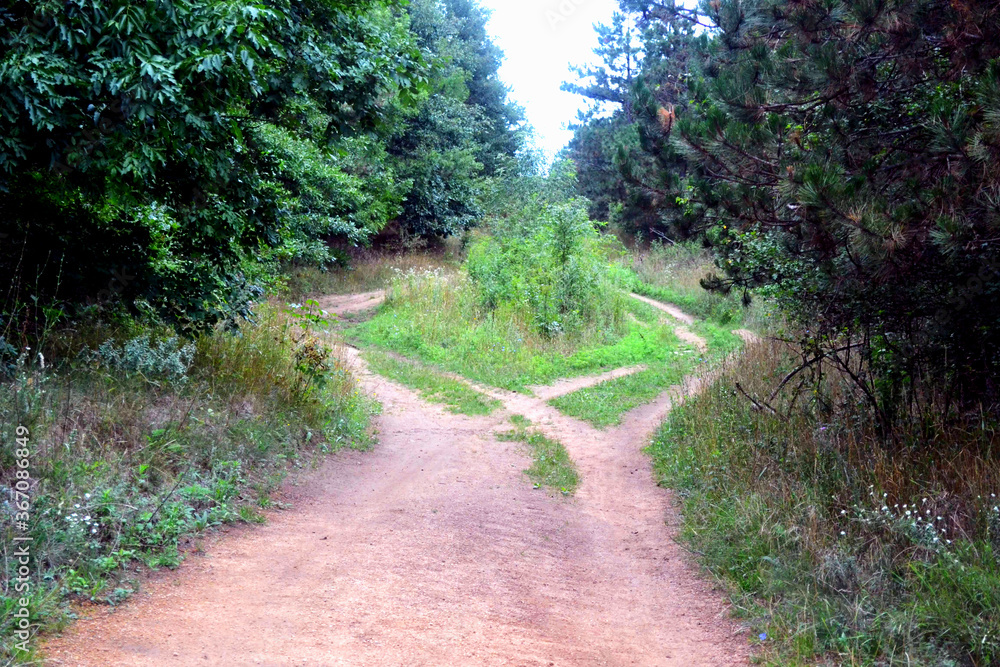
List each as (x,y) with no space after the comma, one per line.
(435,550)
(345,304)
(669,309)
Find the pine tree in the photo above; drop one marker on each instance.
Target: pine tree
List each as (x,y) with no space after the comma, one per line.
(843,156)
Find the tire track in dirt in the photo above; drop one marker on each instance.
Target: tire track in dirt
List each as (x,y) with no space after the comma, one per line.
(435,550)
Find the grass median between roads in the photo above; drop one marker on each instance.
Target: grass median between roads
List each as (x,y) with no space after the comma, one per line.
(438,319)
(551,465)
(457,396)
(605,404)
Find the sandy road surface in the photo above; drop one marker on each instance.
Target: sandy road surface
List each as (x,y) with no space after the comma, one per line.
(435,550)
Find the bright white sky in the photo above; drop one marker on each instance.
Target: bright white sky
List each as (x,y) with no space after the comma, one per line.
(541,38)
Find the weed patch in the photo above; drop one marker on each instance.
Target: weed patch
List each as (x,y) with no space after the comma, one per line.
(551,467)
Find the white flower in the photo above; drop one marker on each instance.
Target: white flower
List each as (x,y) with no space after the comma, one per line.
(843,533)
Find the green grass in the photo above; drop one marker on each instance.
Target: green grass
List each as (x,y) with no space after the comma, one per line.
(438,320)
(126,464)
(810,522)
(605,404)
(551,465)
(434,387)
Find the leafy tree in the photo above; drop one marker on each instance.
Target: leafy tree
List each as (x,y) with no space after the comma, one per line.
(621,162)
(130,140)
(462,129)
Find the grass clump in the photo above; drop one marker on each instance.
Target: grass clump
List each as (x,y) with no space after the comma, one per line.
(138,442)
(551,465)
(457,396)
(838,547)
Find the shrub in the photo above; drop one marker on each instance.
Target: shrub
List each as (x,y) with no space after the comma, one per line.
(551,263)
(167,359)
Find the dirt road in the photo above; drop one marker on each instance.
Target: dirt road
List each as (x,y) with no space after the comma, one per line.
(435,550)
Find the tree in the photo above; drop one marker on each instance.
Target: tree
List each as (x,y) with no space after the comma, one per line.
(622,163)
(842,157)
(131,141)
(461,129)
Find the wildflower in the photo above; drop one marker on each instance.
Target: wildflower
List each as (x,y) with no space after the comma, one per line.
(762,636)
(843,534)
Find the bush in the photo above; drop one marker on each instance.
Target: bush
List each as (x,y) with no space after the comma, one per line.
(167,359)
(552,264)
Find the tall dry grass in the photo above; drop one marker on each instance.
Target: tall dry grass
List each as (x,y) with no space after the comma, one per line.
(369,270)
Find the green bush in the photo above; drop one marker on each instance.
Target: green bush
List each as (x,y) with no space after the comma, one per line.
(551,263)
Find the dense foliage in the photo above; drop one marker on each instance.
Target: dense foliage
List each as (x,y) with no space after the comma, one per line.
(548,262)
(841,156)
(167,155)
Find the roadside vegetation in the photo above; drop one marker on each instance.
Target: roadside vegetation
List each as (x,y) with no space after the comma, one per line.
(551,465)
(832,544)
(457,396)
(143,441)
